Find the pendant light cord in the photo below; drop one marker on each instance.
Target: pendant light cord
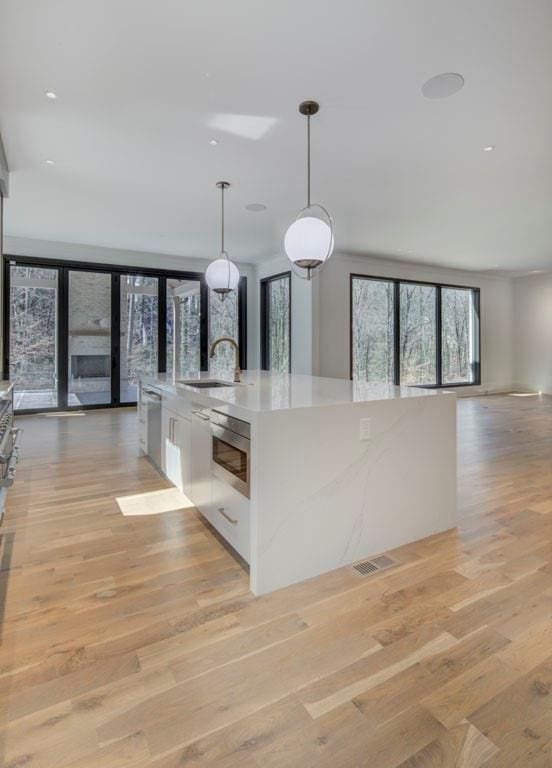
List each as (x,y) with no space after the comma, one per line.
(222,220)
(308,163)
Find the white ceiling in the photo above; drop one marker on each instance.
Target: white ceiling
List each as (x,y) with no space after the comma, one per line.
(144,85)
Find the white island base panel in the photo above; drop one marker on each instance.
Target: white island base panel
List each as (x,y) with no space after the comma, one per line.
(323,498)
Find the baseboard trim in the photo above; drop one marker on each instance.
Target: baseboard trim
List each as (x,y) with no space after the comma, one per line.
(486,389)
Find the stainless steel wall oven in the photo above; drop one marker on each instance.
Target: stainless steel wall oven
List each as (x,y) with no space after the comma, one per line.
(231,449)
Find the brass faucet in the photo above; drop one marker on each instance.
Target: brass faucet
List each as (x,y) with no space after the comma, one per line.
(215,344)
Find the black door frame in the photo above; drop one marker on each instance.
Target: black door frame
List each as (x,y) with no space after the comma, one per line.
(64,266)
(264,317)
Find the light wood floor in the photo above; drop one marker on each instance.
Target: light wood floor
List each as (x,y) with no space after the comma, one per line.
(134,642)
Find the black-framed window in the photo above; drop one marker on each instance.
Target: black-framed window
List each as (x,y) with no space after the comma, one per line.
(78,335)
(414,333)
(276,322)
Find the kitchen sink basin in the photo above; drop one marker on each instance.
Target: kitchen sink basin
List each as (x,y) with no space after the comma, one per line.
(205,383)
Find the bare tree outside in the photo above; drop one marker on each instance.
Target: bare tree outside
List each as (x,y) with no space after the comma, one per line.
(458,335)
(278,308)
(183,327)
(373,332)
(139,317)
(372,339)
(33,329)
(417,334)
(223,321)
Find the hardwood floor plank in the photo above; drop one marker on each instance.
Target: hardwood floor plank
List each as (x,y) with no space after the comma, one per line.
(460,747)
(135,643)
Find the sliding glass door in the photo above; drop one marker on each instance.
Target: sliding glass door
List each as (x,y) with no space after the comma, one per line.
(89,338)
(139,332)
(33,303)
(80,336)
(183,327)
(223,322)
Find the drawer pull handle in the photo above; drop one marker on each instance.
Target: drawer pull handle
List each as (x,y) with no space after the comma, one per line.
(227,517)
(201,415)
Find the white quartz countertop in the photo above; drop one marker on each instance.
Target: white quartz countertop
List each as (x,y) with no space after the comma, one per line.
(266,391)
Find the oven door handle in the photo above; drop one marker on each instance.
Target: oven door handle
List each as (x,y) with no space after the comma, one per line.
(233,439)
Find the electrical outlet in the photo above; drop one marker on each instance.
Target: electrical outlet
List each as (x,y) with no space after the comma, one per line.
(365,429)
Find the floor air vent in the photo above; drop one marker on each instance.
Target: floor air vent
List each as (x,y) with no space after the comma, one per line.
(379,563)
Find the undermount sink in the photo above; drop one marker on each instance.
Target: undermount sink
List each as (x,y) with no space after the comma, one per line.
(205,383)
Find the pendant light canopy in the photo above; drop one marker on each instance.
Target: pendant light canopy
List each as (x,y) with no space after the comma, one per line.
(222,275)
(309,240)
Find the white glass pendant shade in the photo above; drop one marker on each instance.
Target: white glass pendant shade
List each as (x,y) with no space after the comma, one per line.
(222,275)
(309,242)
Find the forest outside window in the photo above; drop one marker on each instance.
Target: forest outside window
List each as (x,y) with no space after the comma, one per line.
(414,334)
(418,334)
(276,323)
(373,321)
(460,335)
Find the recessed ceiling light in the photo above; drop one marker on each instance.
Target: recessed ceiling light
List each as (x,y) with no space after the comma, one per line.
(213,142)
(443,85)
(255,207)
(49,162)
(51,95)
(489,148)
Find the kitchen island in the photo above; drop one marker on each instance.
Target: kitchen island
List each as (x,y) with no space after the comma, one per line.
(303,474)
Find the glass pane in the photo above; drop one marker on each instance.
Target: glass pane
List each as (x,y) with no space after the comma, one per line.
(459,335)
(33,336)
(223,321)
(231,458)
(139,334)
(373,326)
(89,373)
(417,334)
(278,308)
(183,327)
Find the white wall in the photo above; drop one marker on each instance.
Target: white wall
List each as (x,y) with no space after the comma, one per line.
(18,246)
(497,317)
(533,332)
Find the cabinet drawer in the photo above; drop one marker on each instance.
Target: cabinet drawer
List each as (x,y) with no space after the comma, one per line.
(178,405)
(230,516)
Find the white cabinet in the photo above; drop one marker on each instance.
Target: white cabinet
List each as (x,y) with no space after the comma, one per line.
(230,516)
(176,449)
(142,427)
(187,449)
(200,484)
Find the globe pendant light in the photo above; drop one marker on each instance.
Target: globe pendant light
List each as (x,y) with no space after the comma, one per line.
(222,275)
(309,240)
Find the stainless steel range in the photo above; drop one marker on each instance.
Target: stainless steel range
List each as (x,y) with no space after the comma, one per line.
(9,446)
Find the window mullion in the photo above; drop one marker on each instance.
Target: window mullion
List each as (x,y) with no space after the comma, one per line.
(397,333)
(438,337)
